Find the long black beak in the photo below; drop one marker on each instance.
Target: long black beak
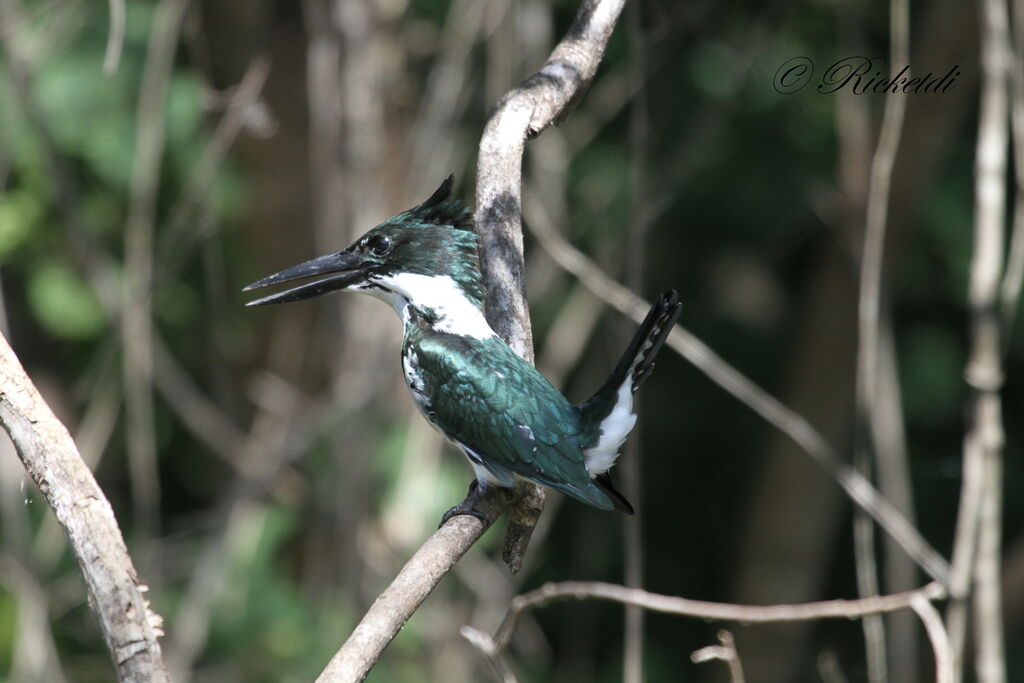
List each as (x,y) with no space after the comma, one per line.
(350,269)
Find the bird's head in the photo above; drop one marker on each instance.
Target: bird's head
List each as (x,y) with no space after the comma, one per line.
(408,258)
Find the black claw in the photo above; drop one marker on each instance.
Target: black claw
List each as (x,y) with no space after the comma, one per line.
(468,506)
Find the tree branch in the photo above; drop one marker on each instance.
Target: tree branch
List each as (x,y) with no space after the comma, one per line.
(793,425)
(543,99)
(726,652)
(494,646)
(977,541)
(115,38)
(129,627)
(870,439)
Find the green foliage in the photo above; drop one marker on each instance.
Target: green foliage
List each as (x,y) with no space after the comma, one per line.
(8,628)
(63,303)
(21,213)
(89,117)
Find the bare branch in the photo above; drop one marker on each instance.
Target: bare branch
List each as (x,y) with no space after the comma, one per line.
(485,643)
(757,399)
(877,213)
(115,38)
(700,609)
(937,634)
(242,105)
(726,652)
(527,110)
(869,406)
(129,627)
(542,99)
(919,600)
(409,589)
(636,240)
(977,543)
(1013,278)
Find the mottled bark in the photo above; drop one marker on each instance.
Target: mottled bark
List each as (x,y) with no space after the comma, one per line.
(49,454)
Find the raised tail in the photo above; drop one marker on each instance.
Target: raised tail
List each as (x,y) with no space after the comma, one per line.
(609,413)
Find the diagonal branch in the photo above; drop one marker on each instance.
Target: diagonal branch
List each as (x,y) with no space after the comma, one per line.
(795,426)
(49,454)
(543,99)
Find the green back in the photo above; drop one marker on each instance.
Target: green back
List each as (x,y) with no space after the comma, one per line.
(487,398)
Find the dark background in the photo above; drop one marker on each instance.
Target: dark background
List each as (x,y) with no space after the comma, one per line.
(281,476)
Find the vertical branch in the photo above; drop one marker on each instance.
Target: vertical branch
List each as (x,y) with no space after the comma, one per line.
(115,37)
(868,326)
(323,58)
(894,481)
(936,630)
(138,253)
(1014,277)
(976,553)
(527,110)
(636,241)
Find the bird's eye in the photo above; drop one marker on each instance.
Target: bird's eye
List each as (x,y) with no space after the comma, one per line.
(380,245)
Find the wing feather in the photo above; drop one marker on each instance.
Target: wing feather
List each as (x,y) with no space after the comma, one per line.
(486,398)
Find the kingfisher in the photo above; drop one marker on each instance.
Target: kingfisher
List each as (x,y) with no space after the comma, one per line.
(496,408)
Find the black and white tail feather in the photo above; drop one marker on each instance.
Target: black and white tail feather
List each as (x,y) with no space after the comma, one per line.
(610,410)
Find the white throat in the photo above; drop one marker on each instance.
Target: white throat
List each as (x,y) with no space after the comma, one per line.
(438,294)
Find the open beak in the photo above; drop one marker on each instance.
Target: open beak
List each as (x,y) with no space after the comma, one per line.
(344,267)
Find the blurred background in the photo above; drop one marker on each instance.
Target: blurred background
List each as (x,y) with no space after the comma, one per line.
(266,465)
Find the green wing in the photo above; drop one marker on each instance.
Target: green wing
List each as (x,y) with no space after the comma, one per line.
(490,400)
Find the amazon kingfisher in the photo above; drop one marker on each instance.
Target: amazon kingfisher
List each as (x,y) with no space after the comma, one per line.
(507,419)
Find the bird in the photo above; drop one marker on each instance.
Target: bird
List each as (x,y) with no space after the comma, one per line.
(508,420)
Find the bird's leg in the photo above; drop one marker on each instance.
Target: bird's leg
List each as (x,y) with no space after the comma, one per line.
(468,506)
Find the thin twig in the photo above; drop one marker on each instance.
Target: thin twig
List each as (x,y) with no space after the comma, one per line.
(700,609)
(485,644)
(129,627)
(757,399)
(115,37)
(242,102)
(444,96)
(937,635)
(867,387)
(726,652)
(636,241)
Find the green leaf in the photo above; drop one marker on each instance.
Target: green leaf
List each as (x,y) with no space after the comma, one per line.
(184,108)
(63,304)
(20,213)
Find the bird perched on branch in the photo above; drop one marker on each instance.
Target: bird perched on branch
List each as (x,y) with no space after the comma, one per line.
(507,419)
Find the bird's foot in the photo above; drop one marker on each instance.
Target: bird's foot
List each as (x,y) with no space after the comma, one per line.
(468,506)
